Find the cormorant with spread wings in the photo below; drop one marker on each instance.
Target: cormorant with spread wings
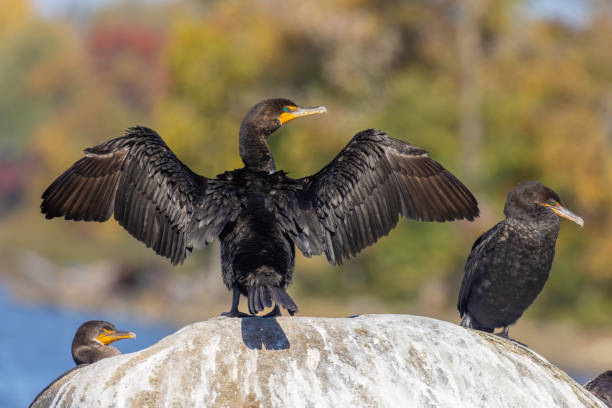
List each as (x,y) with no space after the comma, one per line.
(258,213)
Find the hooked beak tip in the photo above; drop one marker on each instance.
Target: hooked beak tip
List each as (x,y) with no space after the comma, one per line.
(568,215)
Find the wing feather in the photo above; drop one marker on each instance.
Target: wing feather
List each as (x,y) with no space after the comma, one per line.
(474,263)
(154,196)
(360,195)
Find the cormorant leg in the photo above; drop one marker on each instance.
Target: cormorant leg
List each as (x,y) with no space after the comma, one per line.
(275,312)
(234,312)
(468,322)
(505,335)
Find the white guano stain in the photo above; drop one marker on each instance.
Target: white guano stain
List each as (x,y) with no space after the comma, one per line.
(312,359)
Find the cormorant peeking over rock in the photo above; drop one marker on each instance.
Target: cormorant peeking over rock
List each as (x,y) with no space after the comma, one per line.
(90,344)
(91,341)
(259,214)
(510,263)
(601,387)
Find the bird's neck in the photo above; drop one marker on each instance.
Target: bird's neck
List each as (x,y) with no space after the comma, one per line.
(544,226)
(92,352)
(254,150)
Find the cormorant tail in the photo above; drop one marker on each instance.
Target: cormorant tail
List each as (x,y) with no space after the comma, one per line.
(262,296)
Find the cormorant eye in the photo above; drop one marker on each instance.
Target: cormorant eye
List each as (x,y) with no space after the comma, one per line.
(552,202)
(286,109)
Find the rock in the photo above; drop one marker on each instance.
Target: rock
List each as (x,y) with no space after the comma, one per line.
(365,361)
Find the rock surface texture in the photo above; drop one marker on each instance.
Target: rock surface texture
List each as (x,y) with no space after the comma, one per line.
(364,361)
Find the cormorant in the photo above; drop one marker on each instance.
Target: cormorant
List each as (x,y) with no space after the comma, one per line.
(510,263)
(601,387)
(90,344)
(91,341)
(258,213)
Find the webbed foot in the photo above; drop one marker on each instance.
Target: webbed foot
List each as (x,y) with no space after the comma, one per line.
(235,313)
(504,334)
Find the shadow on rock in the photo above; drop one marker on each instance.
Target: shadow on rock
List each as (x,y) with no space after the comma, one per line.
(258,331)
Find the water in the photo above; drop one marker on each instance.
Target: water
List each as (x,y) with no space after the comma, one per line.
(35,345)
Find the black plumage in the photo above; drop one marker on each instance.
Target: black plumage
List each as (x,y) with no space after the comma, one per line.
(90,344)
(510,263)
(259,213)
(601,387)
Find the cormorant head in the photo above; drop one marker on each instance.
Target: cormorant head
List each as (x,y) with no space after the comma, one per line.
(532,199)
(260,121)
(270,114)
(93,337)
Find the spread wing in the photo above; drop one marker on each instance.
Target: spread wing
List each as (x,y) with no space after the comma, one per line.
(154,196)
(474,264)
(359,196)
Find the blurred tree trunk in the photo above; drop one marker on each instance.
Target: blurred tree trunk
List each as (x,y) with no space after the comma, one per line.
(470,97)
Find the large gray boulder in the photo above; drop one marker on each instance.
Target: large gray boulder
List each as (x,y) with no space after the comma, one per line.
(365,361)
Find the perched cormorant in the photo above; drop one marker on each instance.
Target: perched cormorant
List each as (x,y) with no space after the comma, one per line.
(510,263)
(91,341)
(601,387)
(90,344)
(258,213)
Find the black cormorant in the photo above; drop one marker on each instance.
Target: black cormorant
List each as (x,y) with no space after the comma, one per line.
(601,387)
(90,344)
(510,263)
(258,213)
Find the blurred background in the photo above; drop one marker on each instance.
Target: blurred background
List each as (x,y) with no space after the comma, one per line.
(498,91)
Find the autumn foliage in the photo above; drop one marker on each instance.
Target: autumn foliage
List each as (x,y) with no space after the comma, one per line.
(497,96)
